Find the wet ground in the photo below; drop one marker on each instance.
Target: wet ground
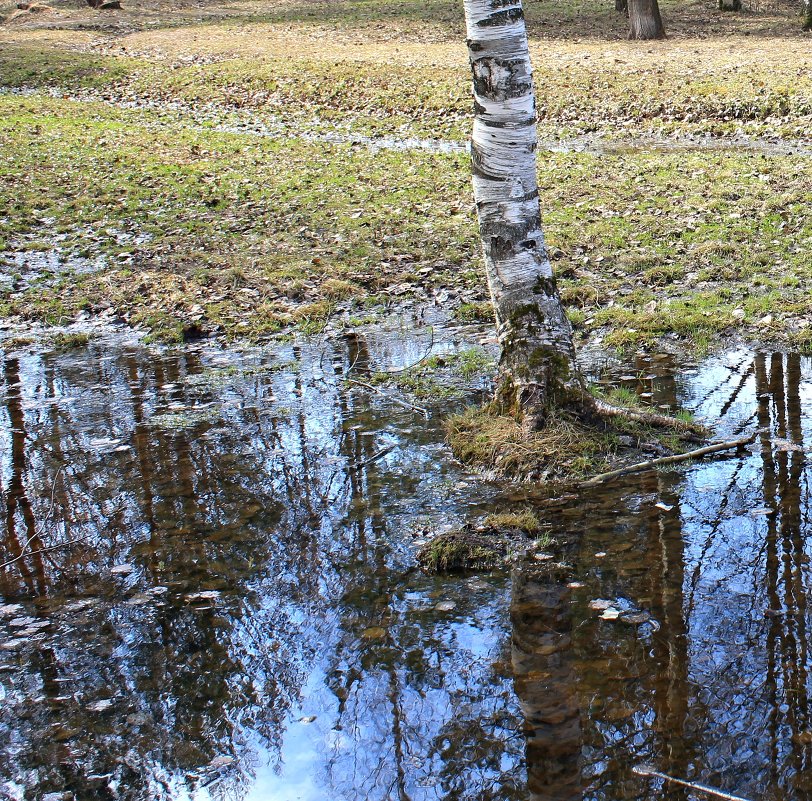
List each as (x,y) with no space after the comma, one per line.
(209,591)
(201,116)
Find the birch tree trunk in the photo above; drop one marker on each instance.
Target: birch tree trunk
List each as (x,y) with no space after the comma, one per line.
(537,366)
(644,20)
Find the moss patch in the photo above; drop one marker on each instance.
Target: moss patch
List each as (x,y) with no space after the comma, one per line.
(461,550)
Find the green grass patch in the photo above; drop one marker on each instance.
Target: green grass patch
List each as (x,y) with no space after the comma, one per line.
(245,237)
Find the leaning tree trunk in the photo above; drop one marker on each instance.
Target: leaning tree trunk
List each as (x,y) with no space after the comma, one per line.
(537,366)
(644,20)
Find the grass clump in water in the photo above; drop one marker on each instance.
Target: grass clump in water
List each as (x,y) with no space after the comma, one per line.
(70,341)
(462,549)
(525,521)
(481,312)
(485,545)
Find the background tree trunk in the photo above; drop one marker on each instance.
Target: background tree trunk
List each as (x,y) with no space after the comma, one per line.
(622,6)
(644,20)
(537,366)
(808,16)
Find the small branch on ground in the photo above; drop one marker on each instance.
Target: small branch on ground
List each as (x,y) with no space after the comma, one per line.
(718,447)
(607,410)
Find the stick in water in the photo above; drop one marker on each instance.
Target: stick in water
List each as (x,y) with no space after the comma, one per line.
(679,457)
(390,397)
(647,770)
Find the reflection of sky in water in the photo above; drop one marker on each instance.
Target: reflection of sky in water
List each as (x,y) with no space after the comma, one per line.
(239,616)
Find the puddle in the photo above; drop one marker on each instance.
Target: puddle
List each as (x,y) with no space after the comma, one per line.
(217,596)
(203,117)
(19,270)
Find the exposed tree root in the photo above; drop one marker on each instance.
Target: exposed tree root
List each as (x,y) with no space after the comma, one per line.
(606,410)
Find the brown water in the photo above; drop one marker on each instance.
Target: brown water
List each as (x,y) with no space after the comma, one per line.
(232,608)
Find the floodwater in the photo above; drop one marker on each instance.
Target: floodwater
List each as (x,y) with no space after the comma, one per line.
(209,589)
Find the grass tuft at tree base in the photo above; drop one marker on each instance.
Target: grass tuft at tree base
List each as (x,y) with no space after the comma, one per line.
(565,450)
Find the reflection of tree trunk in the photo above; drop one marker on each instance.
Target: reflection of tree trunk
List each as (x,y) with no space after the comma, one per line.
(791,509)
(545,683)
(658,377)
(787,655)
(397,732)
(769,490)
(141,444)
(670,645)
(793,657)
(16,495)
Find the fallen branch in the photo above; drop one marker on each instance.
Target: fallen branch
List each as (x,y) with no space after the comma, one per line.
(390,397)
(646,770)
(664,460)
(374,458)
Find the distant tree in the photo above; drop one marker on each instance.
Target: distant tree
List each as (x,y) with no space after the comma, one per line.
(644,20)
(808,15)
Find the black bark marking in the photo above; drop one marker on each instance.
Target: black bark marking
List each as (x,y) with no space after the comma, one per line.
(499,18)
(513,80)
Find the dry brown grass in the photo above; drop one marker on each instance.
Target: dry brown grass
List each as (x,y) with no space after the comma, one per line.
(563,450)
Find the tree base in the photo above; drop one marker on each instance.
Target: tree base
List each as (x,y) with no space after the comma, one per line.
(570,445)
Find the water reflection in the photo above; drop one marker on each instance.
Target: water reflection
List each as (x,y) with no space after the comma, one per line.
(208,591)
(203,556)
(714,686)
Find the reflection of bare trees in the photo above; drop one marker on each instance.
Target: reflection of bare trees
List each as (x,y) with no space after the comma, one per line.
(23,543)
(252,531)
(191,518)
(259,536)
(719,691)
(787,680)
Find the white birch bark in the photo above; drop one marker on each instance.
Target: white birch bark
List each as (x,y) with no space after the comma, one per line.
(537,366)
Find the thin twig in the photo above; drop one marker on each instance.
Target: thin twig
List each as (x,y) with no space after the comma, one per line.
(374,458)
(408,405)
(679,457)
(411,366)
(646,770)
(44,550)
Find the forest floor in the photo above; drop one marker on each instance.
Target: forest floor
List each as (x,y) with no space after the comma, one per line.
(246,169)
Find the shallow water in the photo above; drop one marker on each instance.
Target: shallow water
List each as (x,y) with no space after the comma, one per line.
(240,122)
(217,596)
